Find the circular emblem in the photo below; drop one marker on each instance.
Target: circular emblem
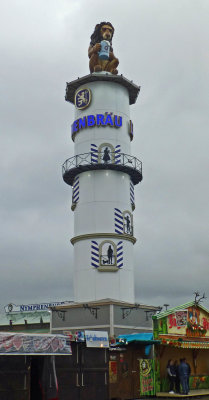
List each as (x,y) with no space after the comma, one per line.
(82,98)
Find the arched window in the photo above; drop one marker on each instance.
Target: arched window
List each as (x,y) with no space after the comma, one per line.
(127,223)
(106,153)
(107,254)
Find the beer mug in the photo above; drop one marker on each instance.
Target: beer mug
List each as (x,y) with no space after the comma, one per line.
(105,50)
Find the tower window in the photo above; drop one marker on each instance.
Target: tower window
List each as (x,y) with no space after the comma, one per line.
(107,253)
(106,153)
(127,223)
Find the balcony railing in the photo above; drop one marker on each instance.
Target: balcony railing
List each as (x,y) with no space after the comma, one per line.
(94,161)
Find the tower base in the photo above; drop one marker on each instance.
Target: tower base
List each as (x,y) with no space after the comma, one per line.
(113,316)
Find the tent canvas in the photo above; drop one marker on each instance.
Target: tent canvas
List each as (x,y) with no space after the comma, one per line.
(34,344)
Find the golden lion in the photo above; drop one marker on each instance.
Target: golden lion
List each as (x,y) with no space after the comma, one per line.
(102,31)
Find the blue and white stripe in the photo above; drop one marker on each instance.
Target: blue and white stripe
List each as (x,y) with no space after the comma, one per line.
(118,221)
(75,195)
(132,198)
(117,154)
(120,254)
(94,254)
(94,154)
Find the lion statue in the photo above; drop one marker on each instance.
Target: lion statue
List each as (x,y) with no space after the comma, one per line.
(102,31)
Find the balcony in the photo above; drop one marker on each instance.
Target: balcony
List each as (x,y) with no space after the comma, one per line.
(87,162)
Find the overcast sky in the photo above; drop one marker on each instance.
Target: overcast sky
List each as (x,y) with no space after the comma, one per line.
(162,45)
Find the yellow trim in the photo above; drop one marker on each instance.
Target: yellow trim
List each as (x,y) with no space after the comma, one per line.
(103,235)
(108,268)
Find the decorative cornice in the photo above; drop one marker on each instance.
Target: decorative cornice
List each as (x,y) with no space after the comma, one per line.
(105,302)
(133,90)
(75,239)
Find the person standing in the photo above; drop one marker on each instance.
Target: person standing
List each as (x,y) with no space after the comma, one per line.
(177,380)
(106,156)
(189,373)
(184,372)
(171,375)
(109,254)
(128,224)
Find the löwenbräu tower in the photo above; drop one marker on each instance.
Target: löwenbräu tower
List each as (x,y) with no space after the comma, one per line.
(102,174)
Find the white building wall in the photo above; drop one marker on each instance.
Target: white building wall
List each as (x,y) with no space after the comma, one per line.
(92,284)
(106,97)
(100,192)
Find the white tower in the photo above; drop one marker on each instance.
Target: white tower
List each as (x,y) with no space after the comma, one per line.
(102,174)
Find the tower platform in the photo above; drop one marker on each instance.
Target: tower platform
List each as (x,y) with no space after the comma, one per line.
(72,86)
(83,162)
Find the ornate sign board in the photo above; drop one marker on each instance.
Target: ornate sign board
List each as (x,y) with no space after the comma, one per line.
(11,308)
(97,339)
(191,321)
(92,338)
(147,381)
(33,344)
(82,98)
(113,372)
(77,336)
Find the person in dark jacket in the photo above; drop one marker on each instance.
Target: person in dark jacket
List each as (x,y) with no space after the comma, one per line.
(171,375)
(177,380)
(189,368)
(184,372)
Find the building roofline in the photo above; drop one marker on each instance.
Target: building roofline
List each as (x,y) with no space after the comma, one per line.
(181,307)
(104,302)
(72,86)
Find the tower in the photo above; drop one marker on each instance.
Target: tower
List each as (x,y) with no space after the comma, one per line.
(103,174)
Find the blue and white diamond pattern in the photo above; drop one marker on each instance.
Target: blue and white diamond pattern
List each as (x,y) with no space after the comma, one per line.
(132,198)
(94,254)
(118,221)
(94,154)
(117,154)
(120,254)
(75,195)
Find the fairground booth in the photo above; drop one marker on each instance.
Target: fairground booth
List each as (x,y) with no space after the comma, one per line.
(30,367)
(131,366)
(183,333)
